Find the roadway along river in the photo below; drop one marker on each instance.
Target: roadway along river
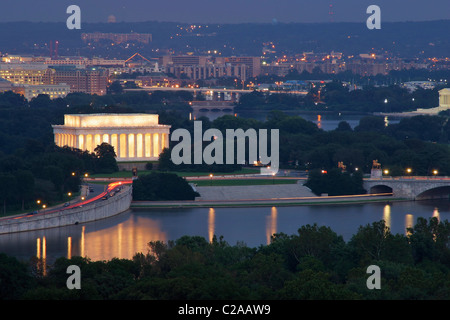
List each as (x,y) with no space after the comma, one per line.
(128,233)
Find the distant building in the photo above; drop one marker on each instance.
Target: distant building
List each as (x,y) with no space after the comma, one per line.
(82,61)
(412,86)
(184,60)
(205,67)
(53,91)
(92,80)
(24,73)
(253,64)
(147,68)
(203,72)
(117,38)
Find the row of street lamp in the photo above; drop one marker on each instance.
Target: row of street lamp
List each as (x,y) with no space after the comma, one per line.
(69,194)
(386,171)
(409,171)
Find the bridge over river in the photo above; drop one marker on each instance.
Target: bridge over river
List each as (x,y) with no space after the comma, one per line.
(411,187)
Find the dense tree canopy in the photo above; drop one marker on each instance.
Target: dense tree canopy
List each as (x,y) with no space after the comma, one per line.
(162,186)
(313,264)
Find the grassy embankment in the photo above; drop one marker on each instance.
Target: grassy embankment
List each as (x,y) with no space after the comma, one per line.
(214,181)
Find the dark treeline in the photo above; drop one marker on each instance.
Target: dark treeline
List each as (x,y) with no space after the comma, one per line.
(337,97)
(315,263)
(419,142)
(47,174)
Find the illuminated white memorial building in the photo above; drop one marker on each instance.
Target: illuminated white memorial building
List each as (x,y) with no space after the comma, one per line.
(135,137)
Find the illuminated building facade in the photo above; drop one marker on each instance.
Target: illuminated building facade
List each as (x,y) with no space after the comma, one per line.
(253,64)
(53,91)
(24,73)
(135,137)
(205,67)
(444,98)
(81,61)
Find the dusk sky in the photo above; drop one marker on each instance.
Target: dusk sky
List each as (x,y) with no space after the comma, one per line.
(229,11)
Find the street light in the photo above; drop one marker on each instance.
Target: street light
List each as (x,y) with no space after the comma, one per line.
(211,176)
(435,172)
(408,170)
(386,172)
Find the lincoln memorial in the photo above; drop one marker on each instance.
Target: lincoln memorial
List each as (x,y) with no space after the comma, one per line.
(135,137)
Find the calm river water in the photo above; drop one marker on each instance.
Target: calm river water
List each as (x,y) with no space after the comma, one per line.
(128,233)
(325,121)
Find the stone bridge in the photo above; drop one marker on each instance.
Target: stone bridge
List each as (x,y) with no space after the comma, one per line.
(412,188)
(212,106)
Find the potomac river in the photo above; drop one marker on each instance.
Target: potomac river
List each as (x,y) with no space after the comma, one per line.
(124,235)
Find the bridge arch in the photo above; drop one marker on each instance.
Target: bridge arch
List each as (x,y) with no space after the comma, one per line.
(434,193)
(380,188)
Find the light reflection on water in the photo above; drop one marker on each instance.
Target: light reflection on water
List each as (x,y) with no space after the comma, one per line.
(125,235)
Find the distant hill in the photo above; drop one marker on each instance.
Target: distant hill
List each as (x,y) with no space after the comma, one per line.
(405,39)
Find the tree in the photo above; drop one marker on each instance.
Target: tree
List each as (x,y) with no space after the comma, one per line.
(25,185)
(14,278)
(430,240)
(8,188)
(165,161)
(375,242)
(56,176)
(115,88)
(158,186)
(371,123)
(334,182)
(313,285)
(106,158)
(41,101)
(344,126)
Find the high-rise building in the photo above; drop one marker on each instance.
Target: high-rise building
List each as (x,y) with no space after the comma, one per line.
(204,67)
(253,64)
(91,80)
(185,60)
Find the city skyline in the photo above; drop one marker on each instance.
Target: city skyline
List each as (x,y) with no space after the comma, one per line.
(232,11)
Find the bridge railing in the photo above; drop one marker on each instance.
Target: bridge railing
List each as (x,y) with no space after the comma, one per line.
(435,178)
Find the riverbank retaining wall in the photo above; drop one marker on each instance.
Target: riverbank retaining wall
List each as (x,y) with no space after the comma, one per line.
(91,212)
